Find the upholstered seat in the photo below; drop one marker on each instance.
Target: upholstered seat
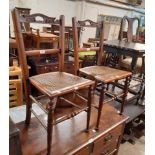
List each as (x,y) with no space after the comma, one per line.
(86,53)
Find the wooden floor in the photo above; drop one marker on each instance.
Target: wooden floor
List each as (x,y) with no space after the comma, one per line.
(67,135)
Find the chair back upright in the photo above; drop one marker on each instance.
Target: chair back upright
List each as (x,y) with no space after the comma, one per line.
(83,24)
(129,35)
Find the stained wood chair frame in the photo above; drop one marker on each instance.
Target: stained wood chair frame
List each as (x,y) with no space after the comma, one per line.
(130,22)
(28,81)
(98,80)
(82,24)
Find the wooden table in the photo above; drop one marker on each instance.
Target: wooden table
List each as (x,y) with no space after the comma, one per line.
(43,37)
(131,49)
(69,137)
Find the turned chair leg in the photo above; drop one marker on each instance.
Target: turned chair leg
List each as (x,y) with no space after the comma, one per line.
(28,112)
(100,106)
(89,108)
(125,93)
(50,127)
(140,92)
(28,102)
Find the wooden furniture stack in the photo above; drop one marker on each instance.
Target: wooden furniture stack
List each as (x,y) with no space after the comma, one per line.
(66,99)
(15,86)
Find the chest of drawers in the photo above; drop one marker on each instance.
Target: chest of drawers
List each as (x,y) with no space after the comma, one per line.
(69,137)
(40,67)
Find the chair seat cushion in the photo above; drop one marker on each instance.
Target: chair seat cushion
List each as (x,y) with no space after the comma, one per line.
(85,53)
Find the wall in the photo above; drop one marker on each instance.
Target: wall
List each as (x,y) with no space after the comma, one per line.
(92,10)
(53,8)
(80,9)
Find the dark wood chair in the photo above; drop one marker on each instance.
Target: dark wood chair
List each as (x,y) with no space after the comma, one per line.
(59,99)
(125,63)
(129,37)
(102,75)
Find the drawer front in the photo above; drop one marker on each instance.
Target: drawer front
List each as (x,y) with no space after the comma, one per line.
(84,151)
(46,69)
(108,150)
(108,140)
(69,68)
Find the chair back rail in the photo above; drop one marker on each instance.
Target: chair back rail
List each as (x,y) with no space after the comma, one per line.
(86,23)
(130,22)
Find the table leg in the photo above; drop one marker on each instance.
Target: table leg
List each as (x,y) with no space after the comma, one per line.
(133,63)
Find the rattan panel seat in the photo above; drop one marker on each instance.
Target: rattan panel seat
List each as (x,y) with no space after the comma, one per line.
(104,73)
(58,83)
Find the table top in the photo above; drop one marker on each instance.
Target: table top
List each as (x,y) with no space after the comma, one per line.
(42,34)
(125,45)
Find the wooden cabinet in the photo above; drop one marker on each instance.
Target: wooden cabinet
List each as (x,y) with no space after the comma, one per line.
(53,67)
(14,139)
(45,67)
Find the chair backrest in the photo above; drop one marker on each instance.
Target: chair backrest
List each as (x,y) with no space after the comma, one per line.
(130,22)
(43,19)
(82,24)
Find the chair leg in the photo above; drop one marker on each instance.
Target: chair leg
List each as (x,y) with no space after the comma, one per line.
(28,102)
(50,127)
(113,86)
(143,94)
(141,89)
(102,92)
(126,86)
(89,108)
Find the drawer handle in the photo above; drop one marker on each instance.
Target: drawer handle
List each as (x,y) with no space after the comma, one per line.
(45,67)
(107,138)
(105,152)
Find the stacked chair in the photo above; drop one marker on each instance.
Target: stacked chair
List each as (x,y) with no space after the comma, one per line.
(125,62)
(102,75)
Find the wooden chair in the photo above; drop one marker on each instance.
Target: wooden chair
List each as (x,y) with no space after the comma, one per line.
(59,100)
(100,74)
(125,63)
